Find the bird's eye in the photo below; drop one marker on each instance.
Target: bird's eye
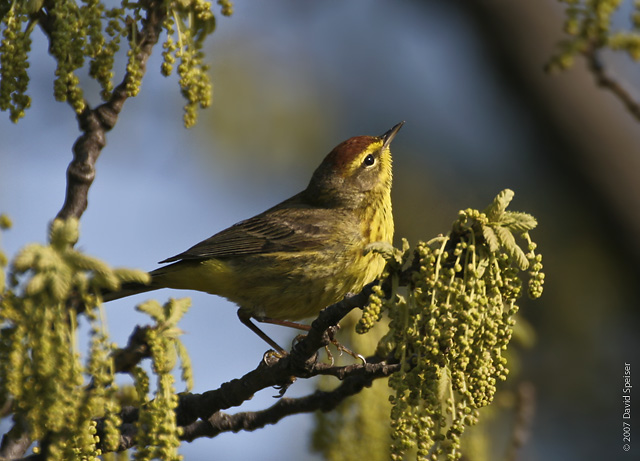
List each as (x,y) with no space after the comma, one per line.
(369,160)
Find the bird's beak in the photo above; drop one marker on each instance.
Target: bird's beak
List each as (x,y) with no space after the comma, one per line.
(389,135)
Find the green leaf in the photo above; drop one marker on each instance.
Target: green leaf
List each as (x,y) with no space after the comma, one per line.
(60,283)
(491,238)
(175,309)
(26,258)
(172,332)
(185,364)
(167,361)
(36,285)
(152,308)
(517,221)
(499,205)
(508,241)
(132,275)
(88,263)
(106,280)
(444,384)
(481,266)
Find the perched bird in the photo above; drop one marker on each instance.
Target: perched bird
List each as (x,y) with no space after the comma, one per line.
(304,254)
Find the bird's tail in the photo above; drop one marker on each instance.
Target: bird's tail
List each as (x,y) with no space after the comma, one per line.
(160,278)
(127,289)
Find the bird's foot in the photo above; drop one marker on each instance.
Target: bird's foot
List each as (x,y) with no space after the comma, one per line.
(342,349)
(385,249)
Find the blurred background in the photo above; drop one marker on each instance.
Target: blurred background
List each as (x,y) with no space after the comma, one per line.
(293,79)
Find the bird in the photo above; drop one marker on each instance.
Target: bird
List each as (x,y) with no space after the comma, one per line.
(291,261)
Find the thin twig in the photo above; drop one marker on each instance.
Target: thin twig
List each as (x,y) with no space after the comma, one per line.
(606,81)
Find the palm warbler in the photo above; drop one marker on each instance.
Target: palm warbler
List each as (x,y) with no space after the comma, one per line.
(293,260)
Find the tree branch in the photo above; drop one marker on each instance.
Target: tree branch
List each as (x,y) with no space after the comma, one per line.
(200,414)
(95,123)
(606,81)
(319,400)
(277,371)
(15,442)
(125,359)
(355,378)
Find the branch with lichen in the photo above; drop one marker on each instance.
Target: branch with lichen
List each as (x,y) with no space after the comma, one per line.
(588,24)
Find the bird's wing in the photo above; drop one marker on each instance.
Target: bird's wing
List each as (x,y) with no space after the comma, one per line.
(276,230)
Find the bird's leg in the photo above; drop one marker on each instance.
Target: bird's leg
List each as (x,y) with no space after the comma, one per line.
(246,319)
(284,323)
(300,326)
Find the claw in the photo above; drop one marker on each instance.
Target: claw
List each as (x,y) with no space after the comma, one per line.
(270,357)
(297,339)
(283,387)
(344,349)
(383,248)
(329,355)
(341,349)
